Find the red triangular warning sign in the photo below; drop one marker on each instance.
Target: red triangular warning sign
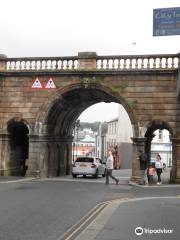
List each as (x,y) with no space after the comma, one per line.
(50,84)
(37,84)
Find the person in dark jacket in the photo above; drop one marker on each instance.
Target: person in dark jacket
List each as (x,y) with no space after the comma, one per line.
(143,167)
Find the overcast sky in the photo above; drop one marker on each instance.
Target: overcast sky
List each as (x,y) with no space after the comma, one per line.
(66,27)
(102,112)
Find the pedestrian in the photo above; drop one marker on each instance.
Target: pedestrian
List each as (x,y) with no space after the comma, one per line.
(109,168)
(159,167)
(143,167)
(164,166)
(150,173)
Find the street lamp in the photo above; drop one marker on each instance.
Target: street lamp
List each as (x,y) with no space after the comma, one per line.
(75,140)
(77,129)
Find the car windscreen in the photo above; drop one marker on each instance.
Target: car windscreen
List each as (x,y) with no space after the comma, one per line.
(85,160)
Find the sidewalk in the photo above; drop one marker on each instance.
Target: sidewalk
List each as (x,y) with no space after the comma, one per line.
(12,179)
(120,219)
(124,176)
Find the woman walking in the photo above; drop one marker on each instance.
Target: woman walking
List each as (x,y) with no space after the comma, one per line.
(158,166)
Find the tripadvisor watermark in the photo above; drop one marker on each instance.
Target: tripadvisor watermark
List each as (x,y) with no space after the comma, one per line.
(140,231)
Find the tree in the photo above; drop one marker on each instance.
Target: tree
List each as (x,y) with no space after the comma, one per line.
(94,126)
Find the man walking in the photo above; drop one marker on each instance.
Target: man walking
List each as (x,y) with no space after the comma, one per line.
(143,167)
(109,168)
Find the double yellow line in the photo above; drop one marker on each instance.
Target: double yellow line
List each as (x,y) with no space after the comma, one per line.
(75,230)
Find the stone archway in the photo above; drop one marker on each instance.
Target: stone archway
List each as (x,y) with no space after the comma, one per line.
(157,124)
(18,147)
(151,127)
(58,115)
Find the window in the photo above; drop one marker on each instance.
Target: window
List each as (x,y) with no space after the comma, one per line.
(161,135)
(85,160)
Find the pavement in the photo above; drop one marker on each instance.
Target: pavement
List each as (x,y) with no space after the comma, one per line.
(118,221)
(14,179)
(124,176)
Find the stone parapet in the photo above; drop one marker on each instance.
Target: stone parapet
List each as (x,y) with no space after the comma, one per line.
(3,62)
(87,60)
(91,61)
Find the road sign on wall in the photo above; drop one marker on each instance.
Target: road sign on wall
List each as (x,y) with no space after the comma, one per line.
(50,84)
(166,21)
(36,84)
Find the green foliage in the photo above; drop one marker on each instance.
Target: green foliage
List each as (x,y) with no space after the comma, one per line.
(94,126)
(119,88)
(98,80)
(132,103)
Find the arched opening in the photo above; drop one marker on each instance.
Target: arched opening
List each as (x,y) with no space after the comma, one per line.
(62,115)
(158,141)
(19,147)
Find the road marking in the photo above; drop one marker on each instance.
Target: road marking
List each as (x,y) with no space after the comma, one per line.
(72,232)
(92,230)
(150,198)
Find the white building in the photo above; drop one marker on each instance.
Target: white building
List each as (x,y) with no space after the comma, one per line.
(161,144)
(84,147)
(124,129)
(112,130)
(119,132)
(101,148)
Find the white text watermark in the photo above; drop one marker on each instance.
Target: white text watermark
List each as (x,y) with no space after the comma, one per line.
(140,231)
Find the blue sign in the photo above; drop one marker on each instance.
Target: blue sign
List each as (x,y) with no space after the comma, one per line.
(166,21)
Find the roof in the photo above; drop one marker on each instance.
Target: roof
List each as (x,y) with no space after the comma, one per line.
(113,120)
(88,139)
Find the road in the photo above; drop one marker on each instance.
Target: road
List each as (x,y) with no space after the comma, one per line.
(45,209)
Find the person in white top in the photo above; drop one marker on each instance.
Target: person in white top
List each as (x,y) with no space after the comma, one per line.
(159,167)
(109,168)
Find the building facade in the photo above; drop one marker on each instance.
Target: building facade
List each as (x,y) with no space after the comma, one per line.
(101,146)
(161,144)
(83,147)
(117,134)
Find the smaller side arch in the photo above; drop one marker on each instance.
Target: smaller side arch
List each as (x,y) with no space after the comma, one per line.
(158,124)
(18,120)
(18,131)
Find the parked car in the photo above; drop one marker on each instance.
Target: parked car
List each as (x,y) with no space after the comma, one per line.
(88,166)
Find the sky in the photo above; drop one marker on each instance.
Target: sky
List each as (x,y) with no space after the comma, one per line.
(101,112)
(66,27)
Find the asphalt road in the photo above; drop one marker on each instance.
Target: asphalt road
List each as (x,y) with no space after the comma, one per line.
(44,210)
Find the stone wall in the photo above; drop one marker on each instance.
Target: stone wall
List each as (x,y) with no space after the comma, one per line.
(148,95)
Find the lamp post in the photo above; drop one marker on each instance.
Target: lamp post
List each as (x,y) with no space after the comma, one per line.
(75,140)
(77,130)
